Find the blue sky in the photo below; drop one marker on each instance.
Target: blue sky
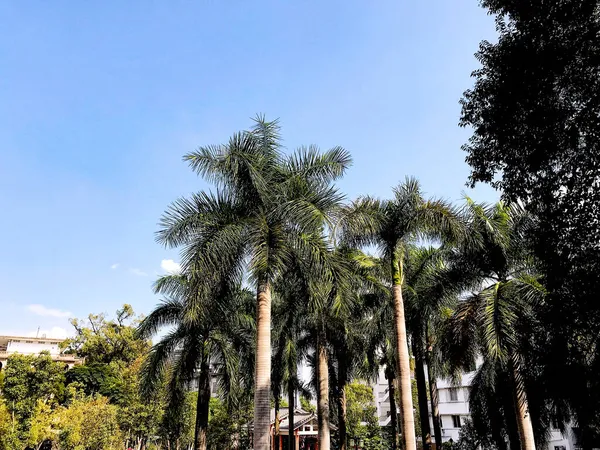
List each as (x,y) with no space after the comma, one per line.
(99,101)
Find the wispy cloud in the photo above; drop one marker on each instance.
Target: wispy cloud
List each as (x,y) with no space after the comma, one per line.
(41,310)
(114,266)
(138,272)
(170,266)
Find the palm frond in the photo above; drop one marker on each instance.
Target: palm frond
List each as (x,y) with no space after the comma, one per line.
(168,312)
(360,223)
(161,355)
(312,165)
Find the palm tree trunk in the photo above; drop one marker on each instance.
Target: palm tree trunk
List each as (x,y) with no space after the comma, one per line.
(323,400)
(523,416)
(422,395)
(341,403)
(262,373)
(277,405)
(510,417)
(202,406)
(393,409)
(435,399)
(291,406)
(406,404)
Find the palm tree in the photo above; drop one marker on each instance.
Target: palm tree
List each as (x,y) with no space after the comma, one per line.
(290,322)
(266,204)
(420,263)
(319,284)
(199,338)
(357,288)
(380,351)
(490,322)
(336,309)
(392,225)
(434,278)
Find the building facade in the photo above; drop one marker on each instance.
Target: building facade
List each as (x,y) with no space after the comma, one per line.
(453,406)
(193,384)
(10,345)
(381,392)
(454,410)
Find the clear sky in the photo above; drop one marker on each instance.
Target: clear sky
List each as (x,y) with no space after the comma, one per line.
(99,101)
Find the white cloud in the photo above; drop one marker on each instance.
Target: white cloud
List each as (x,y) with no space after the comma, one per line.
(138,272)
(114,266)
(54,332)
(170,266)
(41,310)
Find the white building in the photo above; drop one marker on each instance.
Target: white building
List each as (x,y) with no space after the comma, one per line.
(453,406)
(214,381)
(454,410)
(10,345)
(381,392)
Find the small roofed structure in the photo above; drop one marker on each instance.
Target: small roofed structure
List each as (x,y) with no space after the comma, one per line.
(304,429)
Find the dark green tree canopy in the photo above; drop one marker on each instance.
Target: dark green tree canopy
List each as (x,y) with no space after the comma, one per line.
(535,115)
(535,110)
(534,107)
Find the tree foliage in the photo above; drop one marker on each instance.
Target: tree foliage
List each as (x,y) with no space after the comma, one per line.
(28,380)
(306,405)
(97,378)
(534,113)
(106,341)
(363,424)
(176,429)
(89,423)
(8,428)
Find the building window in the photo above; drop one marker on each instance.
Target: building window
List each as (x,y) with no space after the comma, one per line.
(389,413)
(456,421)
(307,428)
(29,342)
(453,394)
(560,447)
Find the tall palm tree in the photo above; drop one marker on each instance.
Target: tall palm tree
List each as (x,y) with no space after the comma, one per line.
(206,331)
(434,278)
(420,263)
(381,352)
(266,204)
(490,321)
(290,329)
(357,288)
(337,310)
(320,283)
(392,225)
